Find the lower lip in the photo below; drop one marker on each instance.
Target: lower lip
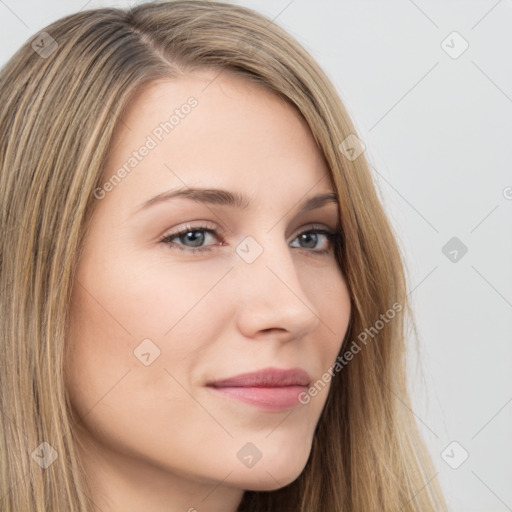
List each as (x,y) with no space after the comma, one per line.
(275,399)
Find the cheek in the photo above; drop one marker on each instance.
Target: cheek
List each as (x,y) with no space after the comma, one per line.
(108,384)
(330,294)
(149,295)
(117,309)
(97,348)
(340,309)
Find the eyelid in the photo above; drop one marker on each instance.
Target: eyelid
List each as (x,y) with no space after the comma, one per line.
(189,226)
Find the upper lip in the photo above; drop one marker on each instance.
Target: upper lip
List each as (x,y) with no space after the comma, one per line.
(268,377)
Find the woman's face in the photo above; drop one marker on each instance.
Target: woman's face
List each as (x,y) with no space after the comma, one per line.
(157,317)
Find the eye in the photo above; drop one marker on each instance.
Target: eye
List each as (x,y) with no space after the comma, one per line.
(189,234)
(311,237)
(196,235)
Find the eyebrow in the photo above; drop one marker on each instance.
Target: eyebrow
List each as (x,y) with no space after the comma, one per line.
(220,197)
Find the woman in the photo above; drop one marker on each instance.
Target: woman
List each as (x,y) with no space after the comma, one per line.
(263,371)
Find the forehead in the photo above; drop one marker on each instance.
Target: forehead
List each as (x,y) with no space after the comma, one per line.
(215,130)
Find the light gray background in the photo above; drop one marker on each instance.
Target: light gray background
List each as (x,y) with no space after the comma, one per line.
(438,133)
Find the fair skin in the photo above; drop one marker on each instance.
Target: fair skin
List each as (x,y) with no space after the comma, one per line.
(155,437)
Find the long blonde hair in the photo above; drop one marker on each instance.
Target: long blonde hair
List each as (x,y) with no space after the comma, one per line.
(60,102)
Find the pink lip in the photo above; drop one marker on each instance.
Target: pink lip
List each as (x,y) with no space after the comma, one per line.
(271,388)
(269,377)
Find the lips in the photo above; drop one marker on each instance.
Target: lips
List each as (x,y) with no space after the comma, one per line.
(271,389)
(268,378)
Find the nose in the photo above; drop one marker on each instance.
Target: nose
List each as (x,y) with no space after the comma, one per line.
(271,296)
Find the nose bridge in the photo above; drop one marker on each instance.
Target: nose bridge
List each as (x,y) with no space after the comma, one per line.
(264,257)
(271,287)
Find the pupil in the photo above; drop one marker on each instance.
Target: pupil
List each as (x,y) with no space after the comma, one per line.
(312,236)
(195,239)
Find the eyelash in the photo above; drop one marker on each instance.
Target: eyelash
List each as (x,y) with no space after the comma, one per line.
(331,236)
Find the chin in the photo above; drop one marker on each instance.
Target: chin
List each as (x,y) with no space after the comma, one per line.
(270,482)
(270,477)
